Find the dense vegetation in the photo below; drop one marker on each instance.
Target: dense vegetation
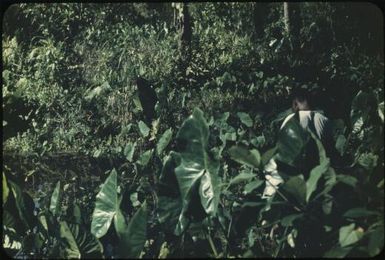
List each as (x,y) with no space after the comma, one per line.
(142,130)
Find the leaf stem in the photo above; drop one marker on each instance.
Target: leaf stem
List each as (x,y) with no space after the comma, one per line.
(284,197)
(212,244)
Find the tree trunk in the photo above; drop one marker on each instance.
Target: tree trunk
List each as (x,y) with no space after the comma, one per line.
(186,27)
(260,13)
(293,23)
(286,17)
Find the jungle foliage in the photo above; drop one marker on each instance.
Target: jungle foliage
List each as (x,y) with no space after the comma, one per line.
(142,130)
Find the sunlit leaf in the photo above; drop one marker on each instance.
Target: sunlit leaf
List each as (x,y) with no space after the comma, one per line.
(129,150)
(164,141)
(143,128)
(145,157)
(243,176)
(244,156)
(348,235)
(249,187)
(245,119)
(55,200)
(196,170)
(78,243)
(106,206)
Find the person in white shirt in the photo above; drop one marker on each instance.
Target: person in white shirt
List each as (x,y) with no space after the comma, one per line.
(309,119)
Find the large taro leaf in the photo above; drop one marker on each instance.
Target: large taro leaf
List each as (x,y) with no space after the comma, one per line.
(169,200)
(292,140)
(296,187)
(133,236)
(24,206)
(196,168)
(55,200)
(77,243)
(242,155)
(106,206)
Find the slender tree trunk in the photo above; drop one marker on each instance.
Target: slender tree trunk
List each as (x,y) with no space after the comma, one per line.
(293,23)
(260,12)
(186,27)
(286,17)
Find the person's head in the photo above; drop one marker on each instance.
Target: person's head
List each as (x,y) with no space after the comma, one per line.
(301,100)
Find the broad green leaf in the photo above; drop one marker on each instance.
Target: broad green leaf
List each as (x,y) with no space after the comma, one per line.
(77,243)
(315,175)
(134,236)
(120,223)
(129,150)
(55,200)
(5,189)
(145,157)
(164,141)
(164,251)
(292,140)
(106,206)
(288,220)
(245,119)
(24,205)
(87,243)
(296,186)
(348,235)
(196,168)
(252,186)
(359,212)
(143,128)
(70,248)
(240,154)
(347,179)
(243,176)
(268,155)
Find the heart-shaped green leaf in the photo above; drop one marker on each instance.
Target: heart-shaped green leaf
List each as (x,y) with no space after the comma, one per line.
(134,235)
(196,167)
(164,141)
(245,119)
(143,128)
(296,186)
(242,155)
(78,243)
(106,206)
(348,235)
(292,140)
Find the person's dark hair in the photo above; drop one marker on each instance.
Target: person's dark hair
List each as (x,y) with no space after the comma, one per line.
(302,95)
